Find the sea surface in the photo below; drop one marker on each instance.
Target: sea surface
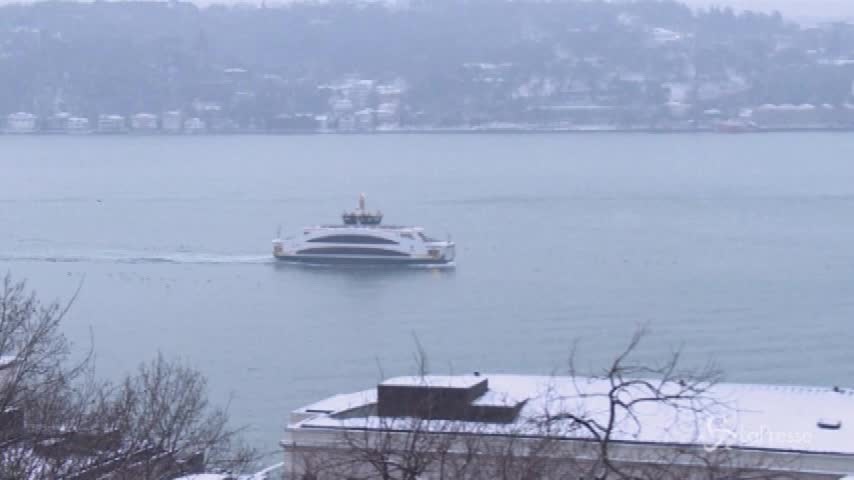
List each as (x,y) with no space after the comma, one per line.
(737,249)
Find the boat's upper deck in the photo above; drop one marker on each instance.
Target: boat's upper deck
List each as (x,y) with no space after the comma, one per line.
(389,232)
(374,228)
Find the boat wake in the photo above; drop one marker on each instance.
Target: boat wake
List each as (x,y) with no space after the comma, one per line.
(437,266)
(178,258)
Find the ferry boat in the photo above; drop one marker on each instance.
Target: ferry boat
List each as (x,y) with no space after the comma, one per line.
(362,239)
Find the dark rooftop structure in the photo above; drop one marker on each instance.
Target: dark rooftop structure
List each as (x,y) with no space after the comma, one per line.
(464,398)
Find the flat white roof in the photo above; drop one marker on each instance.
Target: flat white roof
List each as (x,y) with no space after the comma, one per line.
(206,476)
(341,402)
(773,417)
(443,381)
(6,360)
(499,399)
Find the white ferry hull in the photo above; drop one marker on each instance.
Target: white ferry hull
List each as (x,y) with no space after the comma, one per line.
(366,260)
(433,253)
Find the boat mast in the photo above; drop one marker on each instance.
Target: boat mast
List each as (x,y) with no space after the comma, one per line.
(361,216)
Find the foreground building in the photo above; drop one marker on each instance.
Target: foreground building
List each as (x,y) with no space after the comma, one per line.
(510,426)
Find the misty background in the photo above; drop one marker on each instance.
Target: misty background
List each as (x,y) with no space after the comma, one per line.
(416,65)
(803,10)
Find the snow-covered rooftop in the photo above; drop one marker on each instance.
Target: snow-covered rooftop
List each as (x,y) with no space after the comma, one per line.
(273,471)
(500,399)
(206,476)
(443,381)
(773,417)
(6,360)
(341,402)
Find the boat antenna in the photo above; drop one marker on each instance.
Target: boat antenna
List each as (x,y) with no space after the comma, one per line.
(362,202)
(279,232)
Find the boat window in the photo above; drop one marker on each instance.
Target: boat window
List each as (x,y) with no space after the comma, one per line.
(358,239)
(407,235)
(426,238)
(351,251)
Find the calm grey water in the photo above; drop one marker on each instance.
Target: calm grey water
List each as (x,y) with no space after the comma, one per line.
(739,247)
